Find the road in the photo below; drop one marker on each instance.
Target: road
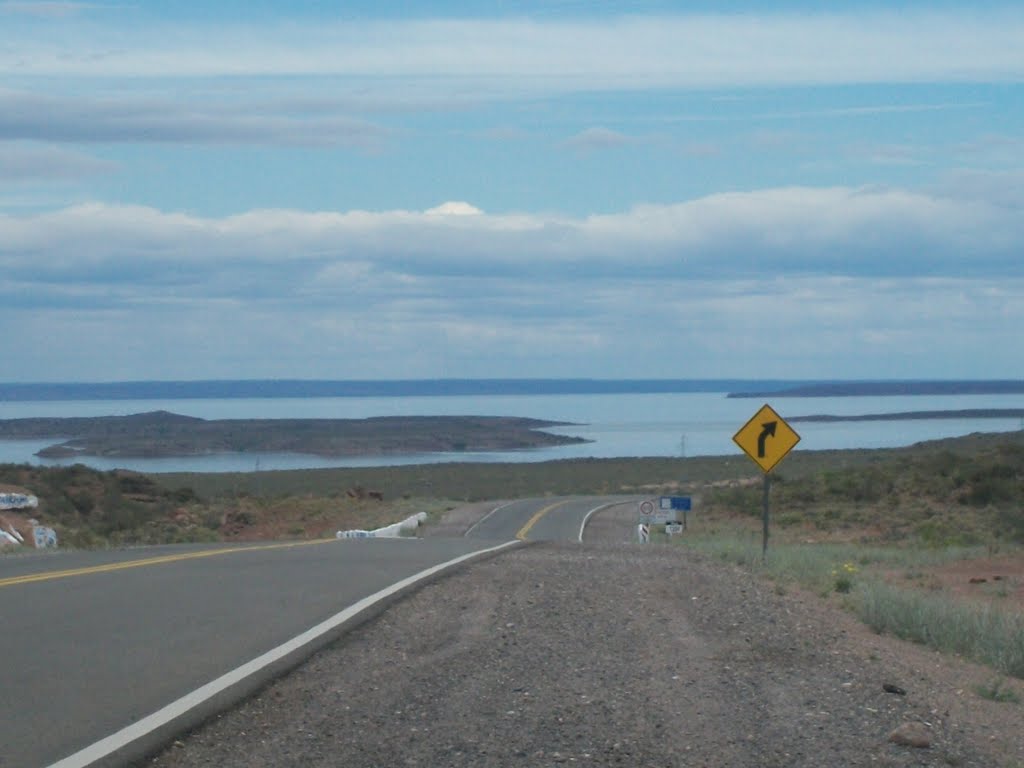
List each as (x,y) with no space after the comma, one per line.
(96,641)
(550,519)
(91,651)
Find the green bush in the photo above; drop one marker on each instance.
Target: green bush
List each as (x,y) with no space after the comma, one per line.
(1010,523)
(985,491)
(944,533)
(843,584)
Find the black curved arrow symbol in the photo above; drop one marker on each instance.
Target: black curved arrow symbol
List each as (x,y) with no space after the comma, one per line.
(767,430)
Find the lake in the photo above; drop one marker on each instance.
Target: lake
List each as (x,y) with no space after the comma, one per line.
(662,424)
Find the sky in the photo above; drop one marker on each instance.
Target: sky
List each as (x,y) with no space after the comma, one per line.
(465,189)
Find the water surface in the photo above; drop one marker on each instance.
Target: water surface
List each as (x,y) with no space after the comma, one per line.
(626,425)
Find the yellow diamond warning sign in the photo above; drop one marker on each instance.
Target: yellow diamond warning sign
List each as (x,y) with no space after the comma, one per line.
(766,438)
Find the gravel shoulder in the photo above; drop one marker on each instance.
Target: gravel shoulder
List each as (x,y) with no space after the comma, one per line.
(609,653)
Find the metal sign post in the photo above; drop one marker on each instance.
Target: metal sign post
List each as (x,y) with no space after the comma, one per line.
(766,439)
(764,516)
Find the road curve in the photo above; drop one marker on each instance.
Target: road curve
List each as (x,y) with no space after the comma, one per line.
(547,519)
(96,641)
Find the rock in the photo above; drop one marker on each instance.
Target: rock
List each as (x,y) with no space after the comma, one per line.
(890,688)
(911,735)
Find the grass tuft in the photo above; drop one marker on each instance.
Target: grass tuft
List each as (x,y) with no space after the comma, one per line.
(996,690)
(981,633)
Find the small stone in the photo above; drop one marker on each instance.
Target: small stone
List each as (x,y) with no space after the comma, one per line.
(911,735)
(890,688)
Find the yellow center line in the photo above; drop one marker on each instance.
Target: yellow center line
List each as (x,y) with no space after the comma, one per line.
(48,575)
(537,516)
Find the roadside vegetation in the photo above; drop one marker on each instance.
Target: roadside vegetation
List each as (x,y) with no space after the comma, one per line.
(926,544)
(91,509)
(895,590)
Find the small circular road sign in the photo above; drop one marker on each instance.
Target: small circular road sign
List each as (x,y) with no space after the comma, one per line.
(647,508)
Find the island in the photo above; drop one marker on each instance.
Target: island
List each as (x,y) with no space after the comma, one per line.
(888,389)
(161,434)
(965,413)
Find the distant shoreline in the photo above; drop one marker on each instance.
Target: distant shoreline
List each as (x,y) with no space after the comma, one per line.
(967,413)
(301,388)
(888,389)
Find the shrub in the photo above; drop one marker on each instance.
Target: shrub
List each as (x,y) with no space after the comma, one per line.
(844,577)
(1010,523)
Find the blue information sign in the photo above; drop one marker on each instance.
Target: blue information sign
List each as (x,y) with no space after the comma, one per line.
(674,502)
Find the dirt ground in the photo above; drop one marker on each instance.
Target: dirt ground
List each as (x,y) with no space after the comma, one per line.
(613,654)
(991,579)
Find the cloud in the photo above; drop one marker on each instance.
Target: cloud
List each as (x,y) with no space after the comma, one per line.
(1003,188)
(794,281)
(790,327)
(25,161)
(886,154)
(530,56)
(596,138)
(45,8)
(872,110)
(506,133)
(784,281)
(994,147)
(328,84)
(135,119)
(860,232)
(454,208)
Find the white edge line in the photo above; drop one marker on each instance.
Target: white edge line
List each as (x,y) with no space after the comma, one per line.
(586,518)
(106,746)
(496,509)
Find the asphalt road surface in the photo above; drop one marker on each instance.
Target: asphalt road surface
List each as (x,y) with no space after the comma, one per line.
(95,642)
(549,519)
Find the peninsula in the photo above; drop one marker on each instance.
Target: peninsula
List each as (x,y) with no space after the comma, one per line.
(161,434)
